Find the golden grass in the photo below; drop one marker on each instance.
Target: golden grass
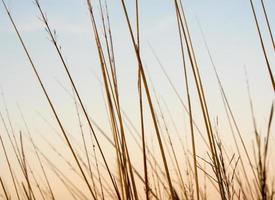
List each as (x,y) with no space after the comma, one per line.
(221,169)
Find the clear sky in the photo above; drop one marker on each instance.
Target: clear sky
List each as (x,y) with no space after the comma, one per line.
(228,26)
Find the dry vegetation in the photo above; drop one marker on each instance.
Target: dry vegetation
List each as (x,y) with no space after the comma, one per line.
(230,175)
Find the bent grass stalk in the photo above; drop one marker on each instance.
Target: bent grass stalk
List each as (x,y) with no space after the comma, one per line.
(164,178)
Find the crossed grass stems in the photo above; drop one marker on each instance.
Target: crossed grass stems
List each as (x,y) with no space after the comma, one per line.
(229,180)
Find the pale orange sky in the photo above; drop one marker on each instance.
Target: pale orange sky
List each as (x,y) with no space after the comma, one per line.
(230,32)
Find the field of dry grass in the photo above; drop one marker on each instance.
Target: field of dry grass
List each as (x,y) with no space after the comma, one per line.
(151,157)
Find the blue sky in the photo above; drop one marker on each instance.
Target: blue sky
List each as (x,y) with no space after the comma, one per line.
(229,29)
